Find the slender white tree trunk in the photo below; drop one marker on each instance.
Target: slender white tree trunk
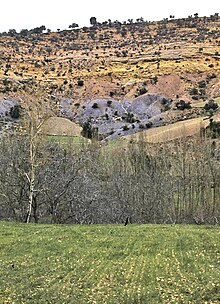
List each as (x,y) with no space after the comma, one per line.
(31,178)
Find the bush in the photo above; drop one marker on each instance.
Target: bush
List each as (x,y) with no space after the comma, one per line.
(211,76)
(182,105)
(193,91)
(211,105)
(80,83)
(95,105)
(202,84)
(142,91)
(15,112)
(149,124)
(213,129)
(196,97)
(125,128)
(109,102)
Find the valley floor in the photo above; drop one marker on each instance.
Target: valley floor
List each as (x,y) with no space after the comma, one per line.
(109,264)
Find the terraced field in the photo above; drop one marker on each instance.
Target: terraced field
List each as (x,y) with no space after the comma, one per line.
(109,264)
(169,57)
(177,130)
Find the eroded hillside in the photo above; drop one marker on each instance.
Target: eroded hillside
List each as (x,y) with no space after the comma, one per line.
(176,58)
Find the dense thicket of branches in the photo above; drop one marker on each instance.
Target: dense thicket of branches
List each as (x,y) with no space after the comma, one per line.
(172,183)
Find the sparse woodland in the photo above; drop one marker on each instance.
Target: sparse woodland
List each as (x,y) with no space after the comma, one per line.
(172,183)
(120,59)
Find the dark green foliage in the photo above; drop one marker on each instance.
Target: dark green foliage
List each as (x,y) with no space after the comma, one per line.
(154,80)
(95,105)
(202,84)
(211,105)
(141,91)
(109,102)
(195,97)
(93,21)
(211,76)
(80,82)
(183,105)
(141,126)
(73,25)
(193,91)
(125,128)
(149,125)
(213,129)
(15,112)
(87,129)
(38,30)
(129,117)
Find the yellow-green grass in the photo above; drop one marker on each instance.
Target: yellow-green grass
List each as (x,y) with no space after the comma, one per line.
(68,139)
(109,264)
(201,104)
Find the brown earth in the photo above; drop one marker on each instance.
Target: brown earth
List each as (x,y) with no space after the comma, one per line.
(176,58)
(116,60)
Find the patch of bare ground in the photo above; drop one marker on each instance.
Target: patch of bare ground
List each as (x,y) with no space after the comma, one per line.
(171,86)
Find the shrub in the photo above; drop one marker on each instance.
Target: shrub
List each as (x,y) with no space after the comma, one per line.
(202,84)
(125,128)
(142,91)
(196,97)
(213,129)
(211,105)
(80,82)
(148,124)
(182,105)
(193,91)
(95,105)
(15,112)
(211,76)
(109,102)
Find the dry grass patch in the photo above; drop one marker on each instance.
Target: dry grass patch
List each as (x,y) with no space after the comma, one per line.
(171,132)
(61,126)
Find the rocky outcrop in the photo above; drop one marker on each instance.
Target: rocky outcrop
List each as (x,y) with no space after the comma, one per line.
(112,118)
(9,113)
(9,109)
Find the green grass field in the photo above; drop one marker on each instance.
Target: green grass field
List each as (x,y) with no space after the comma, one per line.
(71,140)
(109,264)
(201,104)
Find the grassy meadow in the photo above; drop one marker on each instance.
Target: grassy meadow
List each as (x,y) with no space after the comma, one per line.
(201,104)
(109,264)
